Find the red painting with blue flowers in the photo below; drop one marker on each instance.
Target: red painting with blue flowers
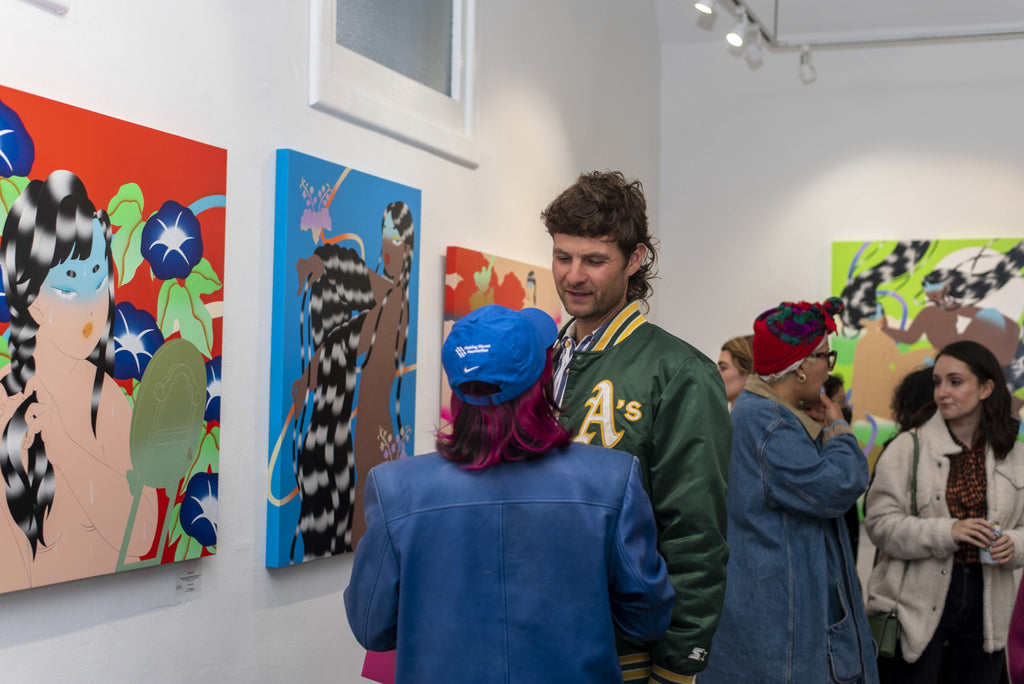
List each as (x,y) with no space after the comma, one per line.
(111,267)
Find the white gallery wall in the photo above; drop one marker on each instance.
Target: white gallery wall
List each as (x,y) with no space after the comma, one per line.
(760,173)
(561,87)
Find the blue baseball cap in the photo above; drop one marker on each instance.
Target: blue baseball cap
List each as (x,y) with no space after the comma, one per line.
(499,346)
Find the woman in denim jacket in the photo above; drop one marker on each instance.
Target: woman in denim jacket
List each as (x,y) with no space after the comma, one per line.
(793,609)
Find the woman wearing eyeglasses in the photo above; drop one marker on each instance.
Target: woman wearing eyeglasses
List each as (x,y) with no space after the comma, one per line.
(793,610)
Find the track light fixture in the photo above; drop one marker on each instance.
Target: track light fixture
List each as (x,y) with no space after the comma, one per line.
(705,6)
(807,71)
(755,52)
(750,39)
(739,31)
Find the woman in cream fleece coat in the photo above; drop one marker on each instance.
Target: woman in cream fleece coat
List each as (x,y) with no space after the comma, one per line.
(945,583)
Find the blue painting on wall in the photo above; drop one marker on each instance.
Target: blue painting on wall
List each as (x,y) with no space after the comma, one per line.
(343,351)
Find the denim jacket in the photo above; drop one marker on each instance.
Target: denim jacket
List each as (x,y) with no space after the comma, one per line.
(793,609)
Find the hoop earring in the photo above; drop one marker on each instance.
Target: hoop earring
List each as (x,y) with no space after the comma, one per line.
(801,377)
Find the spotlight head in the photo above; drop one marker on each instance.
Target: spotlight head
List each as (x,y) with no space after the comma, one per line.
(739,31)
(705,6)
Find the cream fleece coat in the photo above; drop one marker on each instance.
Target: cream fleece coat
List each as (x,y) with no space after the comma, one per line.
(927,540)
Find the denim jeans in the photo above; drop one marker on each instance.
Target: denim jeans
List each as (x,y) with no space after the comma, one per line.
(961,626)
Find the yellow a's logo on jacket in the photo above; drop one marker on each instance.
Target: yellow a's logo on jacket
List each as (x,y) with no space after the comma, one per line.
(600,419)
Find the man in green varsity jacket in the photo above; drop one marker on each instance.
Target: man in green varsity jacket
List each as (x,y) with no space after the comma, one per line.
(625,383)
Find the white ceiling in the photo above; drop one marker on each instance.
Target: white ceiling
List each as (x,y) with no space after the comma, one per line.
(836,21)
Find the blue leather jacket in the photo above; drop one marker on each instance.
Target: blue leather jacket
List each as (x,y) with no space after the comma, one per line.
(517,573)
(793,609)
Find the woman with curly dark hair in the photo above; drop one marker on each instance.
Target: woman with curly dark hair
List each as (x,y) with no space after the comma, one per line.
(913,402)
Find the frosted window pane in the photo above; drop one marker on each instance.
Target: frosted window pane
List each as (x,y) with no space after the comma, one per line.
(412,38)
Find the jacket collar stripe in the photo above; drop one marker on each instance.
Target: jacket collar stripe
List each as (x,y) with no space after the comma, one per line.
(637,322)
(626,321)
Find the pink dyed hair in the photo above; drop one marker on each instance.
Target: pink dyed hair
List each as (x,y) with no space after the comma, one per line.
(521,429)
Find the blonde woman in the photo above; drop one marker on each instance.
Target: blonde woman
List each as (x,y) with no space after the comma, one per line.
(736,363)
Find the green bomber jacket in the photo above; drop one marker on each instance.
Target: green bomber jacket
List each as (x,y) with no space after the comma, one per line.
(642,390)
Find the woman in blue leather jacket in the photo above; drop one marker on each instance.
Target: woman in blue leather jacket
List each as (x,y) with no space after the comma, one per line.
(793,610)
(512,555)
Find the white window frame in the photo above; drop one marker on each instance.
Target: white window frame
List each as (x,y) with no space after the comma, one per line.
(346,84)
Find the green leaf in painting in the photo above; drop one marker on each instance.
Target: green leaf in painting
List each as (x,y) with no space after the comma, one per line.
(209,453)
(162,298)
(175,530)
(181,552)
(175,534)
(202,280)
(10,189)
(199,329)
(177,310)
(187,546)
(125,210)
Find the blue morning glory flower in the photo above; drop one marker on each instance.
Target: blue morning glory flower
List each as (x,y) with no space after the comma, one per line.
(17,151)
(172,241)
(198,513)
(212,389)
(5,313)
(136,339)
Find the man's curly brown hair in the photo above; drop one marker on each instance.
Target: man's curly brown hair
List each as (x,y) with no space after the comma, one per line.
(605,204)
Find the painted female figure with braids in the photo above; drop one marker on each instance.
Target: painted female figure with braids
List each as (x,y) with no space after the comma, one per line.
(353,311)
(969,292)
(953,318)
(64,450)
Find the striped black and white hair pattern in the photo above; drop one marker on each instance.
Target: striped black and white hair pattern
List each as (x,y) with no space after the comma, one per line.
(969,285)
(323,456)
(49,223)
(860,294)
(965,284)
